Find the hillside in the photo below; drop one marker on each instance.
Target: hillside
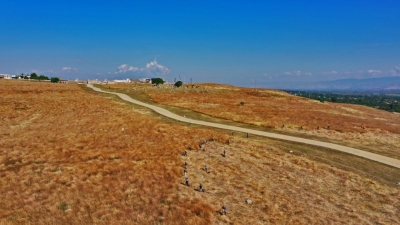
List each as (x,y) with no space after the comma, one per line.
(70,156)
(354,125)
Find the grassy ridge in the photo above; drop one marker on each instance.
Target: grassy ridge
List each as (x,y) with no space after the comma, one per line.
(269,110)
(66,159)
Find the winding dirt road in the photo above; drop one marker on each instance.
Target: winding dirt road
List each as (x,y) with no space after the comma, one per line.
(368,155)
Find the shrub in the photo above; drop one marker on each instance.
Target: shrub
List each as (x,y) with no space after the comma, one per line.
(43,77)
(178,84)
(157,81)
(63,206)
(55,80)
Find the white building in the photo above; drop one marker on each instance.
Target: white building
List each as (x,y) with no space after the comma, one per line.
(145,80)
(122,81)
(5,76)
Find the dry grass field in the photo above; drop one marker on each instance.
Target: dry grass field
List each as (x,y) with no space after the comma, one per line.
(68,157)
(286,189)
(71,157)
(272,109)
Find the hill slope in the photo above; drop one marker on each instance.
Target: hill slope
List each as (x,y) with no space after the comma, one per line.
(279,111)
(66,159)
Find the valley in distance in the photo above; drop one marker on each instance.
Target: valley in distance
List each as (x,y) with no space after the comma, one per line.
(72,155)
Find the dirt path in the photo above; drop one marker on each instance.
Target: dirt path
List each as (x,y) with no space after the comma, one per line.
(368,155)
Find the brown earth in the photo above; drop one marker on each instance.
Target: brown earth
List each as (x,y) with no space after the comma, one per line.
(68,156)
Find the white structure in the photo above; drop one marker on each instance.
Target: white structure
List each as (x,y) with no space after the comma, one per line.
(92,81)
(122,81)
(5,76)
(145,80)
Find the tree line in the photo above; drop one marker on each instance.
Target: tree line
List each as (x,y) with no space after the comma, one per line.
(34,76)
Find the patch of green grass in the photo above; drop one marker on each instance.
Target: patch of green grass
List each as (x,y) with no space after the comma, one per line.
(63,207)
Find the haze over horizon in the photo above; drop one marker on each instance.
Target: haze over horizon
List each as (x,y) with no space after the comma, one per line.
(233,42)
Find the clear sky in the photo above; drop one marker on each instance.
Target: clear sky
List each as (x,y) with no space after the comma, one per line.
(236,42)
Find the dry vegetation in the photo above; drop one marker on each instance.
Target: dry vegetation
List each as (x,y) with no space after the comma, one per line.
(272,109)
(286,189)
(64,158)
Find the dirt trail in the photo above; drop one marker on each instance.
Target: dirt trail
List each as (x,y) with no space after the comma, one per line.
(368,155)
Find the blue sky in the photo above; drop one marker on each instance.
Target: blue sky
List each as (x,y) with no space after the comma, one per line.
(236,42)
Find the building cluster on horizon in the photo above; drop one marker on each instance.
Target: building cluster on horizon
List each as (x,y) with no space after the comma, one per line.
(116,81)
(95,81)
(90,81)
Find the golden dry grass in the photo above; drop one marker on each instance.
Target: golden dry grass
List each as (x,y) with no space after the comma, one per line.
(63,148)
(66,159)
(272,109)
(286,189)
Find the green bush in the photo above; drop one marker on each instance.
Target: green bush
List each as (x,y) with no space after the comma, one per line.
(157,81)
(55,80)
(178,84)
(43,77)
(63,207)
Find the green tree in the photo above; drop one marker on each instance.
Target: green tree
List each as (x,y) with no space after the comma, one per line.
(43,77)
(55,80)
(34,76)
(157,81)
(178,84)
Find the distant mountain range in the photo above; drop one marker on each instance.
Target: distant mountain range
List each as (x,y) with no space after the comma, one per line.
(370,84)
